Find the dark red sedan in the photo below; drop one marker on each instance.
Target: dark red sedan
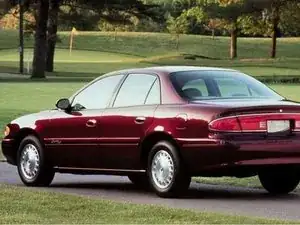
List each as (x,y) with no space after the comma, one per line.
(160,126)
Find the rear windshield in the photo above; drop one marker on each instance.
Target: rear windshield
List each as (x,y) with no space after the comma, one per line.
(201,85)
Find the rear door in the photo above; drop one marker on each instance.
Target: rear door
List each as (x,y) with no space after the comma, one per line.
(125,122)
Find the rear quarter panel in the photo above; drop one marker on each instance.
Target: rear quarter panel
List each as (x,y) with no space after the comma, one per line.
(187,124)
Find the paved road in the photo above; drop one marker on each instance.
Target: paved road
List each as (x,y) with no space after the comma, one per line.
(224,199)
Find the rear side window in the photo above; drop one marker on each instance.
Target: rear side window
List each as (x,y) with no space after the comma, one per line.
(135,90)
(154,94)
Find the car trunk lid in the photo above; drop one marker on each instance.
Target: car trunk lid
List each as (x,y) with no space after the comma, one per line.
(265,116)
(245,106)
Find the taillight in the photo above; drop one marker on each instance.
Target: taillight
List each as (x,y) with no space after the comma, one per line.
(297,124)
(252,123)
(229,124)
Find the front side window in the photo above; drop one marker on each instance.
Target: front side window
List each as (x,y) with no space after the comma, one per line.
(219,84)
(98,94)
(135,90)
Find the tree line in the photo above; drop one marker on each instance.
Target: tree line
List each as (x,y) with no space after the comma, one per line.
(260,18)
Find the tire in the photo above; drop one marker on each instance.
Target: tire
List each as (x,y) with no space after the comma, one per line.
(140,180)
(279,182)
(39,174)
(178,180)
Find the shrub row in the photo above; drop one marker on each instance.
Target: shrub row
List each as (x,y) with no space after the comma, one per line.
(279,79)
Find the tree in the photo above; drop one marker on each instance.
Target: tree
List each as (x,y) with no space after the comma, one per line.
(40,43)
(290,20)
(52,34)
(186,22)
(276,6)
(229,13)
(275,18)
(214,24)
(114,11)
(196,17)
(4,7)
(267,21)
(46,30)
(177,26)
(221,13)
(40,11)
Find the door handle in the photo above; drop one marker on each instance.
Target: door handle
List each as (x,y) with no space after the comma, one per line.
(140,120)
(91,123)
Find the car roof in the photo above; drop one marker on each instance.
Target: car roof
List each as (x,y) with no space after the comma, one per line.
(172,69)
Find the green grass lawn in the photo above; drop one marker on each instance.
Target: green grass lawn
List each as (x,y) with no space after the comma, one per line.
(154,44)
(250,182)
(100,52)
(21,205)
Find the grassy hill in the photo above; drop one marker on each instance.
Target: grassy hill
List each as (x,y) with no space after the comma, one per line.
(99,52)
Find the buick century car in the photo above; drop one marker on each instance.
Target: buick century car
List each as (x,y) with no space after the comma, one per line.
(160,126)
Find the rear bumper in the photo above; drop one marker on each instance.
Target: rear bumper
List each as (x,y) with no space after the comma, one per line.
(265,152)
(8,150)
(203,154)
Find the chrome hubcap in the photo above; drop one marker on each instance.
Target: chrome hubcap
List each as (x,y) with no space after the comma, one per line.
(162,169)
(30,161)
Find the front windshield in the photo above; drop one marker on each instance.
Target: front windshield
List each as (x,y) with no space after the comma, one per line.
(220,84)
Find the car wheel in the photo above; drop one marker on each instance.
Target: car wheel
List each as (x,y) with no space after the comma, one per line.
(140,180)
(279,182)
(167,175)
(32,168)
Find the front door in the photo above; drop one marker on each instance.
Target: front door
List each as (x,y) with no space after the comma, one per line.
(72,138)
(124,124)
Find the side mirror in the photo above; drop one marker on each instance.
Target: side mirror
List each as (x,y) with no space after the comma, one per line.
(63,104)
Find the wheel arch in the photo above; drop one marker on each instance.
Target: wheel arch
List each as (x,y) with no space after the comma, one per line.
(150,140)
(22,133)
